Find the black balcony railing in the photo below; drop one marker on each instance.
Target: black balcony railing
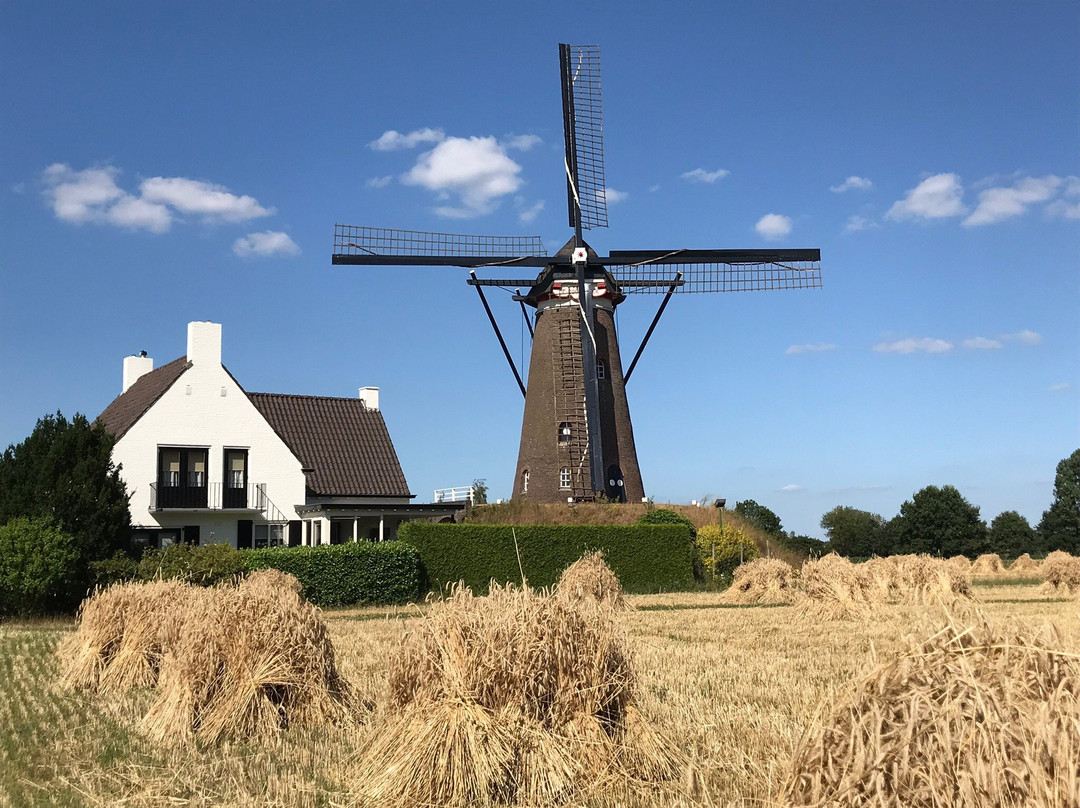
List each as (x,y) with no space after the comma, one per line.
(215,497)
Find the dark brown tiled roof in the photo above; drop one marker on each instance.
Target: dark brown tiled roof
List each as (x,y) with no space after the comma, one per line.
(129,406)
(345,445)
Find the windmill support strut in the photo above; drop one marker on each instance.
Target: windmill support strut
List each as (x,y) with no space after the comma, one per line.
(663,305)
(499,336)
(525,313)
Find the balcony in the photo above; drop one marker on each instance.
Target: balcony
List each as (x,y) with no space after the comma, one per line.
(214,497)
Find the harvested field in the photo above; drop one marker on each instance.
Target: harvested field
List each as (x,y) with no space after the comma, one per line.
(733,687)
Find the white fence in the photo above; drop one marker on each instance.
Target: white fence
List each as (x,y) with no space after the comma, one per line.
(463,493)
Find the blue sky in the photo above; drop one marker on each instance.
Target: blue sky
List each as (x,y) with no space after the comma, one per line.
(168,162)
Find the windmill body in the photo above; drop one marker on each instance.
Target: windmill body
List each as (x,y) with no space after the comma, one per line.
(577,440)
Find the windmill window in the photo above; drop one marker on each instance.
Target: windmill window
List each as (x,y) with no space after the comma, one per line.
(525,481)
(564,478)
(565,432)
(601,369)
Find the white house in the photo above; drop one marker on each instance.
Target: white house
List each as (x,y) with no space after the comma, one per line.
(207,462)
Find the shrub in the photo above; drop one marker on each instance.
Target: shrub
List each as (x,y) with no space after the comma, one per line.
(121,567)
(666,516)
(646,558)
(203,565)
(725,548)
(38,565)
(347,574)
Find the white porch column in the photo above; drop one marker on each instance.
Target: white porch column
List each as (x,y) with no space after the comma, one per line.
(355,530)
(380,527)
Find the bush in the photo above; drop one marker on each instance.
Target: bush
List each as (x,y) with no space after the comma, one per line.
(731,545)
(38,567)
(202,565)
(347,574)
(121,567)
(646,558)
(666,516)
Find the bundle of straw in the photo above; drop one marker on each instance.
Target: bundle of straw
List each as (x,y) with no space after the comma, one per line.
(835,588)
(924,579)
(972,716)
(1025,564)
(987,564)
(1061,573)
(519,696)
(763,580)
(591,577)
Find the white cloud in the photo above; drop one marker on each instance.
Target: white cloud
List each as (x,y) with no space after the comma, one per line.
(936,197)
(264,244)
(196,196)
(378,182)
(476,169)
(1063,207)
(856,224)
(915,345)
(1058,388)
(392,140)
(613,197)
(701,175)
(526,212)
(773,226)
(81,196)
(653,189)
(997,204)
(792,488)
(522,142)
(1025,337)
(813,347)
(981,344)
(93,195)
(852,184)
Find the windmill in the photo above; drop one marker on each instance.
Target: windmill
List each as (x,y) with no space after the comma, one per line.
(577,441)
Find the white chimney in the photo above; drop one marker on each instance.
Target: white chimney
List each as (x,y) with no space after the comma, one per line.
(370,397)
(204,343)
(135,367)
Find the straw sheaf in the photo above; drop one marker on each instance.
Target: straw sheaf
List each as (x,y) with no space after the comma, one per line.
(1024,563)
(1061,573)
(837,589)
(975,716)
(763,580)
(590,577)
(520,696)
(987,564)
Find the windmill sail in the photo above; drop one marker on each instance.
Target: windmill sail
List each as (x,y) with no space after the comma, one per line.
(583,132)
(650,272)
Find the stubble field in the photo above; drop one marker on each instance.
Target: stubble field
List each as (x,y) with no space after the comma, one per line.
(733,687)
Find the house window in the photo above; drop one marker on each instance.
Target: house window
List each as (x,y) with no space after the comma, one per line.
(565,432)
(269,535)
(601,369)
(525,481)
(236,478)
(181,478)
(564,478)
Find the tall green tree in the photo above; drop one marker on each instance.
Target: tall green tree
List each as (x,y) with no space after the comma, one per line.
(1011,535)
(759,516)
(64,472)
(853,532)
(939,521)
(1059,527)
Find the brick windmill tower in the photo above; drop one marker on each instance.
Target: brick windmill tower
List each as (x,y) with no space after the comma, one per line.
(577,441)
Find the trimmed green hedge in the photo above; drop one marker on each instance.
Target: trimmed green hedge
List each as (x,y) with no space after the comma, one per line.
(647,558)
(347,574)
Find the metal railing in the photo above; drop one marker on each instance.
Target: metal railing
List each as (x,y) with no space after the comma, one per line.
(463,493)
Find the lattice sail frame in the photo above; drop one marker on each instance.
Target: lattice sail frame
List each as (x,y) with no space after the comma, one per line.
(359,240)
(583,125)
(655,279)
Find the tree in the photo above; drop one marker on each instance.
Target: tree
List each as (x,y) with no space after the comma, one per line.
(1059,527)
(479,487)
(723,549)
(853,532)
(37,567)
(939,521)
(1010,535)
(64,472)
(759,516)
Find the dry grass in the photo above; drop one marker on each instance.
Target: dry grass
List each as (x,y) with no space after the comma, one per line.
(519,696)
(763,580)
(972,716)
(734,687)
